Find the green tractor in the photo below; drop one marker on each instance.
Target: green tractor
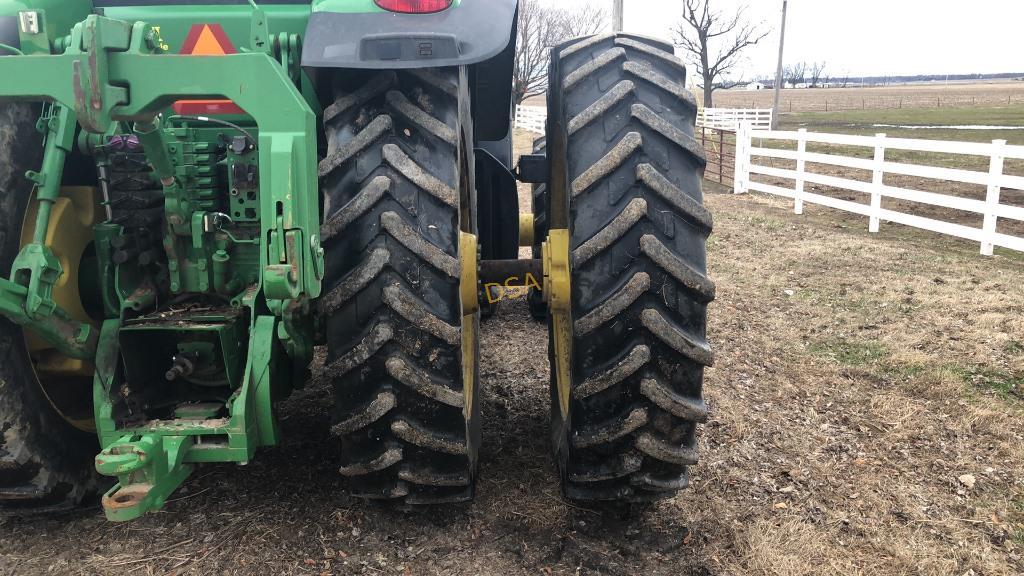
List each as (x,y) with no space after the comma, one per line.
(195,194)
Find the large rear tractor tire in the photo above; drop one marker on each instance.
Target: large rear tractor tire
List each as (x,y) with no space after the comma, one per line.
(398,204)
(46,462)
(623,141)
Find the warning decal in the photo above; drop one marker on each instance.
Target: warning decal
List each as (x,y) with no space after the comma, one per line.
(207,40)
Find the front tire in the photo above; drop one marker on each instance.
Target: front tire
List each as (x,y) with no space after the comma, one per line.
(398,199)
(632,174)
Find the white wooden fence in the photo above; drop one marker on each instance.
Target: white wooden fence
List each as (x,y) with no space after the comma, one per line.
(990,207)
(532,118)
(730,118)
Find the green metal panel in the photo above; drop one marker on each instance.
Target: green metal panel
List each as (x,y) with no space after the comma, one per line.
(346,6)
(176,22)
(61,15)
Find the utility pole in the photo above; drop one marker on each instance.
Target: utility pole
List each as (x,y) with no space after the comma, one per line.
(778,69)
(617,15)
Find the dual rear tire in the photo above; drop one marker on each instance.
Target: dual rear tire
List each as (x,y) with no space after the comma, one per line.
(627,172)
(397,195)
(398,202)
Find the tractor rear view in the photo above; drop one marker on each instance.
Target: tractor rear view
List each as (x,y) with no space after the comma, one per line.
(195,195)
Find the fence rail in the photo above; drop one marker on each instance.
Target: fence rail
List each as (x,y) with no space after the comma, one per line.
(840,99)
(532,118)
(990,208)
(731,118)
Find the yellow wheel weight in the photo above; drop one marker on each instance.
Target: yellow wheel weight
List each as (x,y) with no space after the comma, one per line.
(69,236)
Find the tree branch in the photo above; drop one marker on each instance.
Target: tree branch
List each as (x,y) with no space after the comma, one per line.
(701,28)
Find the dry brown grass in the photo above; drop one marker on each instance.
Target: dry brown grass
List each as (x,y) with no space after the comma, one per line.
(861,394)
(844,413)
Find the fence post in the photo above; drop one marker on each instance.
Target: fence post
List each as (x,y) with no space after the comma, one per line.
(721,156)
(742,158)
(995,171)
(878,181)
(801,163)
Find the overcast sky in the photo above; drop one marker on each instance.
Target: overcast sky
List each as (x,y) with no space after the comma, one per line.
(865,37)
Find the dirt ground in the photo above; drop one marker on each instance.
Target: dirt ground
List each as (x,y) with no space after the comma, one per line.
(868,418)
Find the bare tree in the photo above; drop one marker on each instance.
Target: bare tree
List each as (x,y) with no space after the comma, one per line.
(540,28)
(715,40)
(535,35)
(584,21)
(816,71)
(794,74)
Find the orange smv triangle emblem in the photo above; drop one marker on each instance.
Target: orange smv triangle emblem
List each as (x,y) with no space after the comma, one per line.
(207,40)
(207,44)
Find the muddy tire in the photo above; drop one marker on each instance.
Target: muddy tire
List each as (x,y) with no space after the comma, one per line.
(632,172)
(535,299)
(46,463)
(397,192)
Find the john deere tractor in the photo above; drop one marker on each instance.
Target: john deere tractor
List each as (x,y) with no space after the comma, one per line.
(195,194)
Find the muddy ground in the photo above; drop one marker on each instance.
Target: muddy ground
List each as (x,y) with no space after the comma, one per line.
(867,419)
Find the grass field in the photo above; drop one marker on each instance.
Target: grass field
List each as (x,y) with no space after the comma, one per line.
(914,123)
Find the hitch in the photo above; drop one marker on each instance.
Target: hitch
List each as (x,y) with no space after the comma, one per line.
(148,469)
(151,458)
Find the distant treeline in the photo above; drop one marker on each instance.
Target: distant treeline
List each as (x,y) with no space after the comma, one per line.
(797,76)
(933,78)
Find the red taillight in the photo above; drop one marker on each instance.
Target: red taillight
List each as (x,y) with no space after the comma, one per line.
(414,6)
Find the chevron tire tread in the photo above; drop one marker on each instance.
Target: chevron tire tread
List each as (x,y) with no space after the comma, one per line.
(391,304)
(639,284)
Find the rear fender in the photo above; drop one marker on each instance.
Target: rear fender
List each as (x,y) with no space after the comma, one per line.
(470,32)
